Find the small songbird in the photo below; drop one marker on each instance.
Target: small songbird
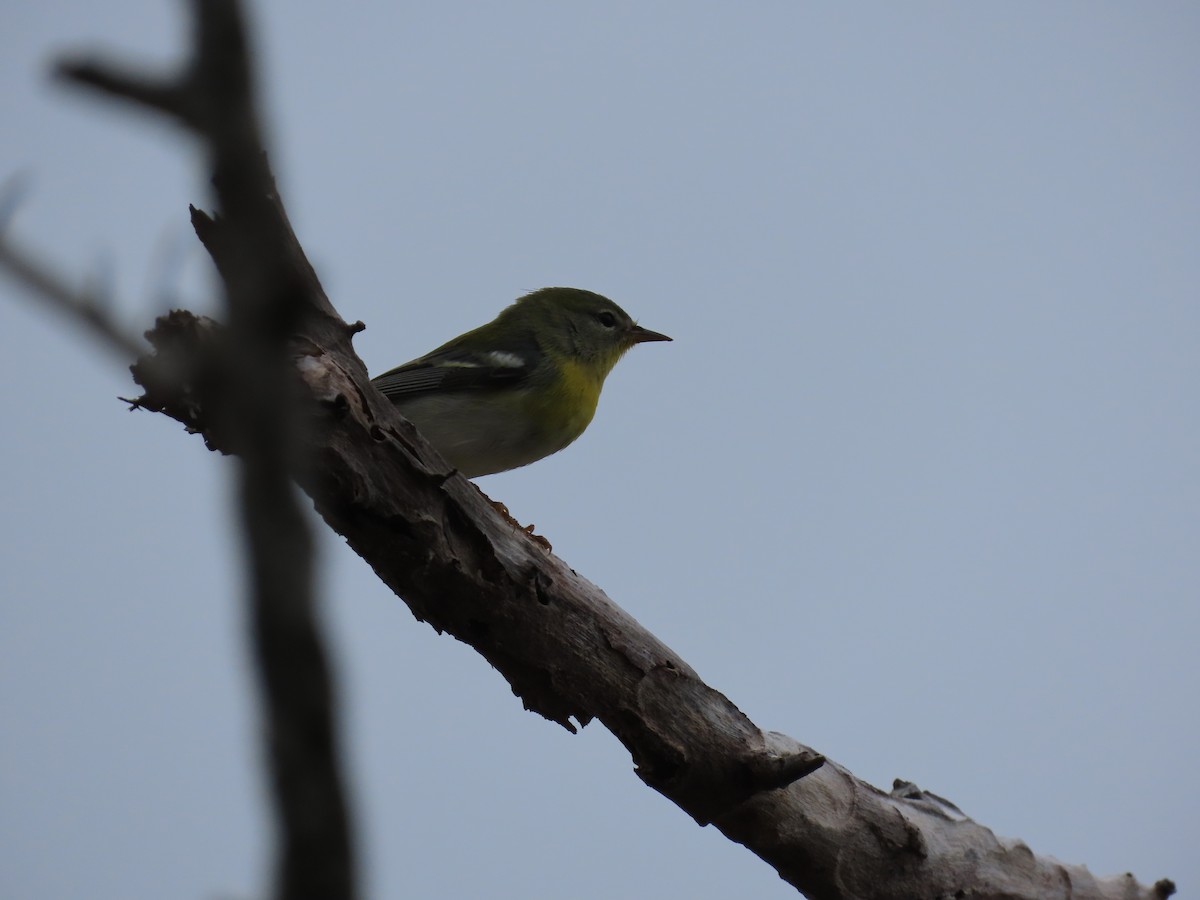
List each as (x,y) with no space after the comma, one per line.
(519,388)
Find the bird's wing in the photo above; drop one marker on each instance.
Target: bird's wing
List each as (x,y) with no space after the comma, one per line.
(457,369)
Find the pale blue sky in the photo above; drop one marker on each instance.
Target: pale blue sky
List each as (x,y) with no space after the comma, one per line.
(918,482)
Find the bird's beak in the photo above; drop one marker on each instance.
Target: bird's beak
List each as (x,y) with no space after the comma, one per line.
(639,335)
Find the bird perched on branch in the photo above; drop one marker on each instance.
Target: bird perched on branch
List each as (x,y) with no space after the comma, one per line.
(519,388)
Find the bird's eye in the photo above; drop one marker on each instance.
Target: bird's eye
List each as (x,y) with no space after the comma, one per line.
(606,318)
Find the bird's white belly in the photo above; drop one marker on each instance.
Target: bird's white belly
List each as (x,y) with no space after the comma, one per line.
(478,436)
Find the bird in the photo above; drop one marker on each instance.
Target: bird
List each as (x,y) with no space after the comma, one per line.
(519,388)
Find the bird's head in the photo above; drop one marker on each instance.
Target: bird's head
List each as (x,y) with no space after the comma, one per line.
(582,325)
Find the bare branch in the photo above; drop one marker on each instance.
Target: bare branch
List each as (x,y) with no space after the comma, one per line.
(213,95)
(573,656)
(86,307)
(110,78)
(250,373)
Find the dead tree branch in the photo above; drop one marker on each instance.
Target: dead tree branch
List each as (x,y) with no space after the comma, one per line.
(572,655)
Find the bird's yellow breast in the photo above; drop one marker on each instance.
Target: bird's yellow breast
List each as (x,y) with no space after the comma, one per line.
(571,403)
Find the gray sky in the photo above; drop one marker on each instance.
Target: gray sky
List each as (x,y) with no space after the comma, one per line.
(917,483)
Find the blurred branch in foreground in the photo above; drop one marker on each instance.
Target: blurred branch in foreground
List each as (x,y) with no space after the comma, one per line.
(88,307)
(248,376)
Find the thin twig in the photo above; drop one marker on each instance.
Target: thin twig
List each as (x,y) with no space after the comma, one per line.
(109,78)
(86,307)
